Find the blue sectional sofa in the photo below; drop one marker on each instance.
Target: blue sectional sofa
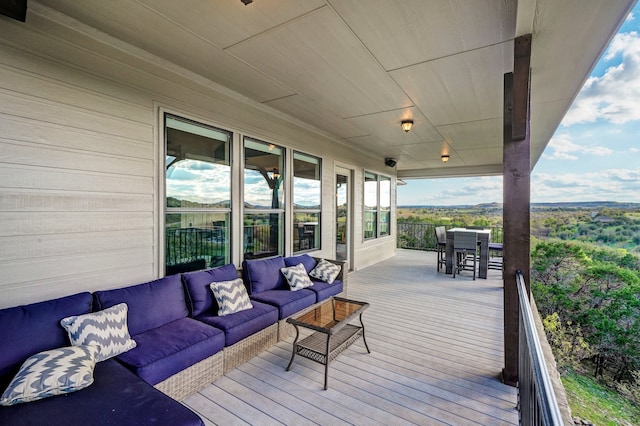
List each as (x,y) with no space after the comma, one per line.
(180,343)
(116,397)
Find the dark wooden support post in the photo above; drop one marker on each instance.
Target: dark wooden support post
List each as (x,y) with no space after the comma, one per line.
(517,197)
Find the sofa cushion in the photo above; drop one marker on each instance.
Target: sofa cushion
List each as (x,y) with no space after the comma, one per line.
(308,261)
(325,290)
(34,328)
(172,347)
(296,277)
(264,274)
(244,323)
(116,397)
(231,296)
(53,372)
(325,271)
(150,304)
(199,296)
(106,329)
(288,302)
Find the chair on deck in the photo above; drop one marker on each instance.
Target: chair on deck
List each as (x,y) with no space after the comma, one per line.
(495,256)
(441,244)
(465,249)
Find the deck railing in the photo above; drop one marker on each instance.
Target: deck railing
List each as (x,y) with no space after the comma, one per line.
(537,401)
(421,236)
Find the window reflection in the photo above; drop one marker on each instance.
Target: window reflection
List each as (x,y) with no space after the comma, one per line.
(306,202)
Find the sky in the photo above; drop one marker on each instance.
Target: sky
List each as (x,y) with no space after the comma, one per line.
(594,154)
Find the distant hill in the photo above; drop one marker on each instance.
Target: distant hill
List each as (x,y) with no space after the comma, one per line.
(566,205)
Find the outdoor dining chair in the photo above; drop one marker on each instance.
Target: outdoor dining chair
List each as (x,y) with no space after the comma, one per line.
(441,244)
(465,249)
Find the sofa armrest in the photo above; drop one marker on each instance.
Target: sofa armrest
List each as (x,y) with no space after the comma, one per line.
(343,275)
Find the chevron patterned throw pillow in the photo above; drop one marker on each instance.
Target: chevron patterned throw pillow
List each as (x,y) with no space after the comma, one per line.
(53,372)
(296,277)
(106,329)
(325,271)
(231,296)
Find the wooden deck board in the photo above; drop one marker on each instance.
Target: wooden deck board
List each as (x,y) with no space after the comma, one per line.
(437,353)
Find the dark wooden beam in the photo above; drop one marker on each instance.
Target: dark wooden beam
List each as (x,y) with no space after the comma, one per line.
(517,202)
(521,67)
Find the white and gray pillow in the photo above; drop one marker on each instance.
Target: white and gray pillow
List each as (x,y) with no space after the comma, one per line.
(231,296)
(106,329)
(297,277)
(53,372)
(325,271)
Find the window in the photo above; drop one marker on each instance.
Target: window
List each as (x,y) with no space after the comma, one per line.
(306,202)
(198,195)
(263,199)
(370,205)
(377,205)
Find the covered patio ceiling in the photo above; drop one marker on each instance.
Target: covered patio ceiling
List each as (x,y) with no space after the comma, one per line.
(354,69)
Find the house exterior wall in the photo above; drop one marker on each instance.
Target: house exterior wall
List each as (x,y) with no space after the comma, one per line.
(81,142)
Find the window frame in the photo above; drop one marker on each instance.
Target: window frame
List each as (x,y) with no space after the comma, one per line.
(378,210)
(317,235)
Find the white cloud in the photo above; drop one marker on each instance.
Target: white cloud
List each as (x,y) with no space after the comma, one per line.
(562,147)
(604,185)
(614,97)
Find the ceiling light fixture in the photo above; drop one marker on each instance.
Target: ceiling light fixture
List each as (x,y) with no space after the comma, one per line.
(246,2)
(444,158)
(406,125)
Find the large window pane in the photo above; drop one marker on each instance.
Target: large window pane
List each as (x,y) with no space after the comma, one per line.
(306,202)
(198,165)
(263,175)
(196,241)
(385,205)
(370,205)
(262,235)
(306,231)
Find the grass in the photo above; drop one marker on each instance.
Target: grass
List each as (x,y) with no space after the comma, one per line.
(598,404)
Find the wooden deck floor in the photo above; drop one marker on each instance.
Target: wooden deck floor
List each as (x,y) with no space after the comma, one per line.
(436,355)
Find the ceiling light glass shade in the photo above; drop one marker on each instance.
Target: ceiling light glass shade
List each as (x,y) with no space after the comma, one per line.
(444,158)
(407,125)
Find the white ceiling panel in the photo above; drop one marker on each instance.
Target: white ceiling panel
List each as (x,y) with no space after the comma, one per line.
(474,134)
(459,88)
(319,57)
(406,32)
(386,126)
(481,156)
(227,22)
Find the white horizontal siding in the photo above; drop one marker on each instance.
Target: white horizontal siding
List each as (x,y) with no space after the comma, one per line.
(79,159)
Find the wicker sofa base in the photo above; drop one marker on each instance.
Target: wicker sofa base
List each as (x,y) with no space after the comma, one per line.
(192,379)
(249,347)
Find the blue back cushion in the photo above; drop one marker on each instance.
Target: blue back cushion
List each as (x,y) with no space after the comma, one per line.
(150,304)
(199,296)
(29,329)
(308,261)
(264,274)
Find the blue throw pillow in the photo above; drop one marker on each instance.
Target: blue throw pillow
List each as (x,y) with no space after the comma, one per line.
(52,372)
(106,329)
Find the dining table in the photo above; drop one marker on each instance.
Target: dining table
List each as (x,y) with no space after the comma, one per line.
(484,236)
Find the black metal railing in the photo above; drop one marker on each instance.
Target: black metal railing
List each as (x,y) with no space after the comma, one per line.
(421,236)
(190,249)
(537,403)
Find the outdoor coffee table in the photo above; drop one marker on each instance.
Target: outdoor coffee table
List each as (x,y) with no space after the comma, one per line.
(332,331)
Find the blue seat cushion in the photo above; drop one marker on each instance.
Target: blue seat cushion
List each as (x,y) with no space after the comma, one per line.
(29,329)
(200,298)
(242,324)
(324,290)
(170,348)
(288,302)
(116,397)
(308,261)
(150,304)
(264,274)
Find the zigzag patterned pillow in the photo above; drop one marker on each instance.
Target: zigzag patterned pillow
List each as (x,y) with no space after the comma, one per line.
(231,296)
(296,277)
(106,329)
(325,271)
(53,372)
